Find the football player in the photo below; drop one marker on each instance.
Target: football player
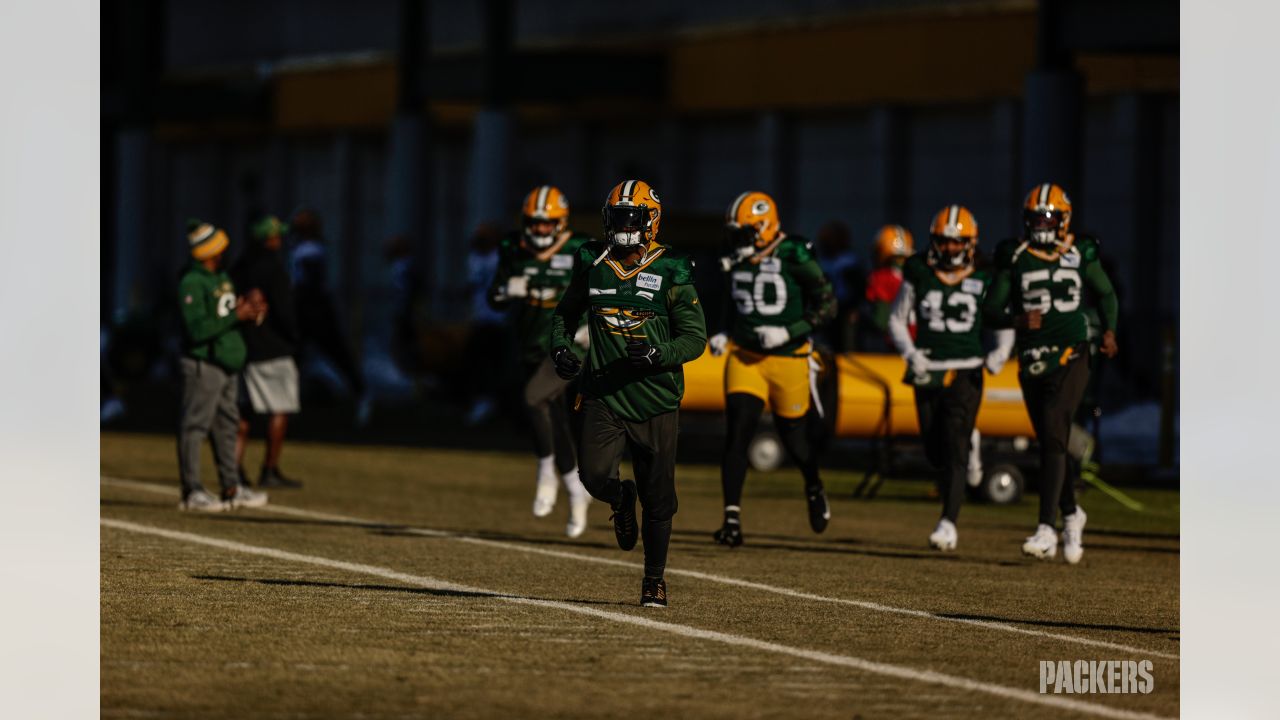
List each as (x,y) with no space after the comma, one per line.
(644,322)
(1042,277)
(535,264)
(779,296)
(894,245)
(946,293)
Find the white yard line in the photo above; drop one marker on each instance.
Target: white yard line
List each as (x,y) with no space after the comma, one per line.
(709,577)
(849,661)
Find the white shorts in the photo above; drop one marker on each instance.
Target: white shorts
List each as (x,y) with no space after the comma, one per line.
(272,386)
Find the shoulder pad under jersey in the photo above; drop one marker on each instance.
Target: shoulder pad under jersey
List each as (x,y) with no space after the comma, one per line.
(1087,245)
(796,249)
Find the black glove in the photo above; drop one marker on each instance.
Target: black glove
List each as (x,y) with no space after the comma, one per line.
(643,355)
(567,364)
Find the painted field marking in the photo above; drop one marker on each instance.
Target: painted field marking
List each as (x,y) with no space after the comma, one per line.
(897,671)
(709,577)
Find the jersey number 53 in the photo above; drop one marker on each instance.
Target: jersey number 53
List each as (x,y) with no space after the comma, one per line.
(1040,298)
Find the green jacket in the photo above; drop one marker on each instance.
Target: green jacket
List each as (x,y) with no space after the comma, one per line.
(210,329)
(654,301)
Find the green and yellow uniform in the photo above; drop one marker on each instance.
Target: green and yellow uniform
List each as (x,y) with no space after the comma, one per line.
(948,312)
(548,273)
(785,287)
(1029,279)
(654,301)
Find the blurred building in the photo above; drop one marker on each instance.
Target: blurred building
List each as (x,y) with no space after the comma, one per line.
(427,118)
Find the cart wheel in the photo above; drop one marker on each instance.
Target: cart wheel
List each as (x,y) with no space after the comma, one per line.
(765,452)
(1003,484)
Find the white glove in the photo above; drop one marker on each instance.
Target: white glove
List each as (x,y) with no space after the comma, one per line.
(996,360)
(719,343)
(772,336)
(918,362)
(583,337)
(517,286)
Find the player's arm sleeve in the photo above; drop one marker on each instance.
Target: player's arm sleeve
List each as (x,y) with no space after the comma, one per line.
(995,307)
(202,326)
(1108,303)
(819,299)
(688,327)
(569,312)
(899,318)
(497,294)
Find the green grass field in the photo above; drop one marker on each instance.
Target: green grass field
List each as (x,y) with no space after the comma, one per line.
(416,583)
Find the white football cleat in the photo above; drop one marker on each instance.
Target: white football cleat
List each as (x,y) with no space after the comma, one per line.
(944,536)
(1043,545)
(1073,535)
(544,499)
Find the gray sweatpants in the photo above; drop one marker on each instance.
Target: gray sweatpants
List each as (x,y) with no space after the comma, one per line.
(208,410)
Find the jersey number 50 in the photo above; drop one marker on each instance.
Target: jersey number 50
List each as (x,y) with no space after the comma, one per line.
(752,299)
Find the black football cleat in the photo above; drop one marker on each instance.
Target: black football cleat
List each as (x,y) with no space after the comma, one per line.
(625,527)
(819,509)
(653,593)
(729,534)
(273,478)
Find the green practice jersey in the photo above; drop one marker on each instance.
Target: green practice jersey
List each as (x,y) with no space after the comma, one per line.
(1028,280)
(948,315)
(784,288)
(654,301)
(548,273)
(211,330)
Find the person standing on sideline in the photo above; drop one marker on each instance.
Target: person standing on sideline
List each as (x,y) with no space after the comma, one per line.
(270,379)
(213,354)
(645,323)
(535,264)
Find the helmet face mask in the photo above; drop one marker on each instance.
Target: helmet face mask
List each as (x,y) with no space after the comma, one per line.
(950,253)
(741,236)
(626,225)
(1044,227)
(535,231)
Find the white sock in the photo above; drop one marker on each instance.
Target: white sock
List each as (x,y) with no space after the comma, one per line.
(546,466)
(573,485)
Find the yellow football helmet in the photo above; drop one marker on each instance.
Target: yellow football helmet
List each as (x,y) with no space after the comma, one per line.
(1046,216)
(544,203)
(631,214)
(953,222)
(893,242)
(752,220)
